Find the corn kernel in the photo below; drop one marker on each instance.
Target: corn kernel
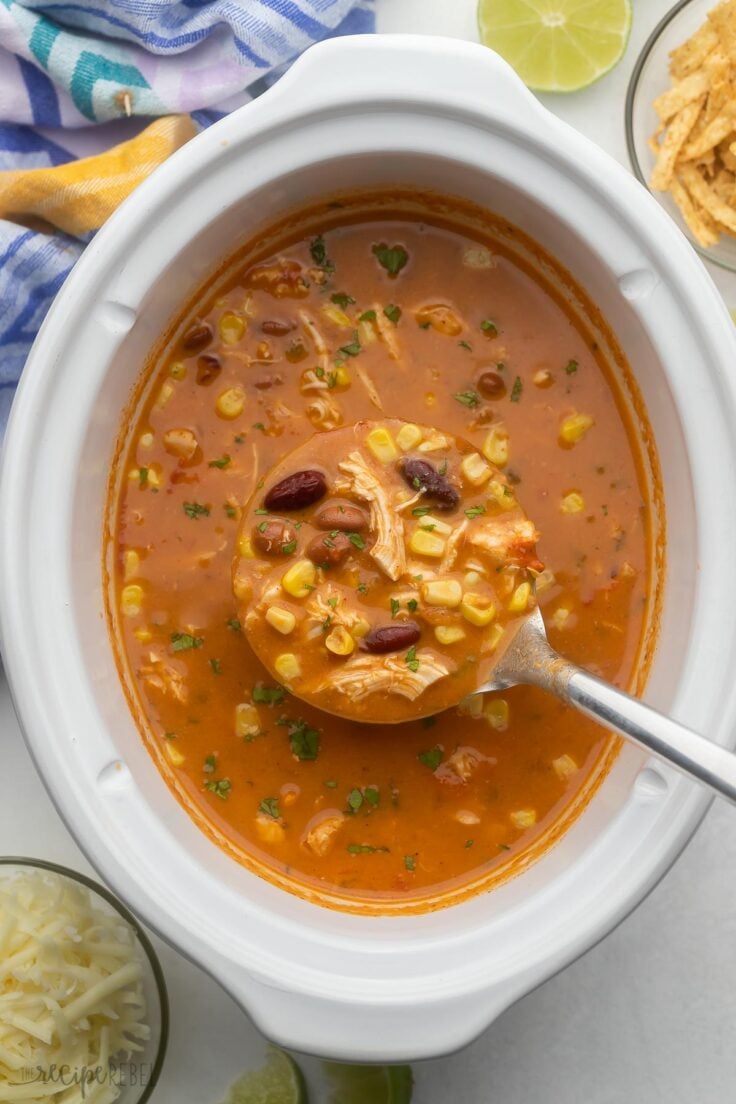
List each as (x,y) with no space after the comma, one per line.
(287,666)
(280,619)
(336,315)
(523,818)
(180,442)
(360,629)
(449,634)
(496,447)
(494,638)
(543,378)
(442,592)
(381,444)
(471,706)
(299,579)
(520,598)
(627,571)
(502,495)
(472,578)
(441,318)
(434,444)
(131,563)
(477,609)
(174,755)
(247,720)
(339,641)
(178,370)
(164,395)
(475,469)
(559,618)
(425,543)
(441,528)
(366,333)
(230,403)
(131,599)
(146,440)
(143,636)
(564,767)
(342,376)
(496,712)
(231,327)
(270,830)
(430,398)
(245,547)
(574,428)
(408,436)
(572,503)
(464,816)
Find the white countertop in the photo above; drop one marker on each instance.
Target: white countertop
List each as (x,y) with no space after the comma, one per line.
(646,1017)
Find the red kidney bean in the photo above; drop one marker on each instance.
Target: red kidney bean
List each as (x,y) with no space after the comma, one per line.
(297,491)
(391,638)
(197,337)
(491,385)
(329,550)
(275,327)
(208,369)
(275,537)
(422,476)
(351,519)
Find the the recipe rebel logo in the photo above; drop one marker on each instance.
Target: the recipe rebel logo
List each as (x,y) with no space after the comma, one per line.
(119,1075)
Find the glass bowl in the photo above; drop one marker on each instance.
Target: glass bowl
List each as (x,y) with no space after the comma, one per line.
(649,78)
(136,1079)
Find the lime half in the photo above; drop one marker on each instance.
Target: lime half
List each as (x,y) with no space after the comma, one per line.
(369,1084)
(556,45)
(278,1082)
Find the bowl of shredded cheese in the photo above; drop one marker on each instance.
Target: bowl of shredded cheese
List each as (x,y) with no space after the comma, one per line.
(83,1003)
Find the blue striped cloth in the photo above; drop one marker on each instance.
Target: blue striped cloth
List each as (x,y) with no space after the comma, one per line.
(66,66)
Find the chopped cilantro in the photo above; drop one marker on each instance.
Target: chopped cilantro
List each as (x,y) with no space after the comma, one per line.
(424,325)
(182,642)
(269,695)
(239,438)
(216,665)
(355,800)
(196,510)
(318,253)
(505,846)
(364,849)
(469,842)
(234,625)
(222,462)
(357,540)
(392,312)
(372,796)
(270,806)
(333,602)
(395,606)
(303,739)
(516,390)
(468,398)
(143,477)
(410,863)
(429,722)
(421,511)
(319,372)
(353,347)
(260,511)
(288,548)
(442,469)
(474,511)
(411,659)
(367,316)
(210,764)
(465,345)
(392,258)
(230,510)
(331,784)
(259,425)
(327,622)
(219,786)
(342,300)
(431,758)
(489,327)
(411,605)
(362,588)
(331,380)
(571,367)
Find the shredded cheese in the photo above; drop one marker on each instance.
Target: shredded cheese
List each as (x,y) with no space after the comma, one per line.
(71,992)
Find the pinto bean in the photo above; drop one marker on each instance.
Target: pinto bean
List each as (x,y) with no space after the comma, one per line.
(491,385)
(275,537)
(276,327)
(297,491)
(329,550)
(208,369)
(351,519)
(197,337)
(391,638)
(423,476)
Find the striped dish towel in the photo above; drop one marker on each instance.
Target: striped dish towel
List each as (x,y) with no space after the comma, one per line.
(84,78)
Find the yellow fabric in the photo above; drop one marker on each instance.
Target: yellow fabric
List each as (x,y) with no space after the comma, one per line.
(79,196)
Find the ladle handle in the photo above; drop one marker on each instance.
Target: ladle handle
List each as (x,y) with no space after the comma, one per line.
(686,750)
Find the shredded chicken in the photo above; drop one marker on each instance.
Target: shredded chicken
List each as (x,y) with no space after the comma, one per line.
(311,382)
(505,538)
(452,547)
(387,332)
(323,412)
(382,674)
(460,766)
(320,345)
(370,387)
(320,837)
(388,549)
(319,608)
(163,676)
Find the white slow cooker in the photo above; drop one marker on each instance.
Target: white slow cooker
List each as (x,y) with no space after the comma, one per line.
(450,116)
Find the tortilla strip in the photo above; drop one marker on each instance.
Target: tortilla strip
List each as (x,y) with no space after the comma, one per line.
(723,21)
(714,133)
(692,54)
(674,140)
(674,99)
(707,198)
(700,230)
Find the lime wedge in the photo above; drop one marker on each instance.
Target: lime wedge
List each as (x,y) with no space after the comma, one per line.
(369,1084)
(556,45)
(278,1082)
